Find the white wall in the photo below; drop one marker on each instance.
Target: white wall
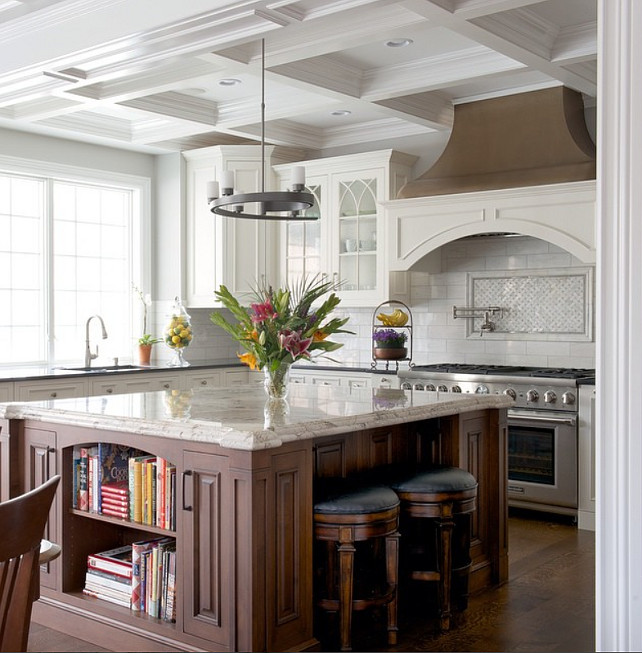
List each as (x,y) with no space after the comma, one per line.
(437,337)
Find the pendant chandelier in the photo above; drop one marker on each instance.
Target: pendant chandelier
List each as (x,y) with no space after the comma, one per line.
(271,205)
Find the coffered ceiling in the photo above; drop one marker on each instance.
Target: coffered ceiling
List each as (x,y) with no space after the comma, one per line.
(146,74)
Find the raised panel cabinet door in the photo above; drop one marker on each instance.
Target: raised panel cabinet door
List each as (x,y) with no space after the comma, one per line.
(207,540)
(5,464)
(480,453)
(39,466)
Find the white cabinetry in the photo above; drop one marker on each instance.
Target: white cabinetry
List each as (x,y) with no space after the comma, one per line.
(349,241)
(344,378)
(123,384)
(218,250)
(6,391)
(586,458)
(49,389)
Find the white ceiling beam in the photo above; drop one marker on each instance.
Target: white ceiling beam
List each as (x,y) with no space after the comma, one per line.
(498,35)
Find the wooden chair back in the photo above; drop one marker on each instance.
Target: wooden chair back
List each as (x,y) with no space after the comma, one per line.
(22,524)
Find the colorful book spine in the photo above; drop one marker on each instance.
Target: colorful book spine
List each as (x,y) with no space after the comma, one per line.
(83,494)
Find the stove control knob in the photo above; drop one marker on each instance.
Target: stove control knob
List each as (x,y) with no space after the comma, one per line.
(550,397)
(455,388)
(442,388)
(481,390)
(532,396)
(430,387)
(511,393)
(568,398)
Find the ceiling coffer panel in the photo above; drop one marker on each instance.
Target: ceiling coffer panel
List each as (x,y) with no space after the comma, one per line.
(526,139)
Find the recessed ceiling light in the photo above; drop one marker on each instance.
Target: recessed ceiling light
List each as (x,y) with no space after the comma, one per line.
(229,81)
(398,43)
(340,112)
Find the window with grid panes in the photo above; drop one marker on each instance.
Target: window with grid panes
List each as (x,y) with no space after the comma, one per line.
(69,251)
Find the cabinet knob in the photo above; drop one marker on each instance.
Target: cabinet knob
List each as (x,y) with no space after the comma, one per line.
(53,395)
(109,390)
(203,382)
(166,386)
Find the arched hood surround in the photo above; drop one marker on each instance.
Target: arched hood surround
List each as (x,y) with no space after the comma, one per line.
(520,164)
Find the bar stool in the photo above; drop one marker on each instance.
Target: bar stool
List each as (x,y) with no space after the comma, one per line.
(446,497)
(344,516)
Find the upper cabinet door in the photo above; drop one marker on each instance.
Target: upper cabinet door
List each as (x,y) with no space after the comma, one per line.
(348,242)
(355,225)
(234,252)
(302,243)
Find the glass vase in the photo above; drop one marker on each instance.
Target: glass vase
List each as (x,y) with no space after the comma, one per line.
(276,381)
(178,334)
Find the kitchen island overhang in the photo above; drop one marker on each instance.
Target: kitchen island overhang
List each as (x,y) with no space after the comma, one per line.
(244,498)
(235,418)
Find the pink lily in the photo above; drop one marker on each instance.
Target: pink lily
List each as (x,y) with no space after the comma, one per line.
(292,342)
(263,312)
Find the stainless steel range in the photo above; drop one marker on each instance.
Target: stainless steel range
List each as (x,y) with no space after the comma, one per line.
(542,425)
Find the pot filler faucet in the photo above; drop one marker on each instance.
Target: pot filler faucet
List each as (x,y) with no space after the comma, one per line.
(88,355)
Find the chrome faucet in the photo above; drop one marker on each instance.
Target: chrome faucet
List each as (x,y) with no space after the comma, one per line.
(88,355)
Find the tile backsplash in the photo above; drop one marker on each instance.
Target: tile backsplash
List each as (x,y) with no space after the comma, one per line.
(556,283)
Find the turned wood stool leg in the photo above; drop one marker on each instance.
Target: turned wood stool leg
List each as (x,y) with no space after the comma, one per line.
(445,529)
(392,577)
(346,572)
(461,561)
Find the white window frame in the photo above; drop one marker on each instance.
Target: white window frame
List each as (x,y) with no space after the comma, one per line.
(141,269)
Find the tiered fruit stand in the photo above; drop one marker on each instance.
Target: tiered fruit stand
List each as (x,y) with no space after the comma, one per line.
(395,316)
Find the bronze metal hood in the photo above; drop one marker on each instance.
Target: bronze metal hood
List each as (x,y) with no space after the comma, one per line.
(527,139)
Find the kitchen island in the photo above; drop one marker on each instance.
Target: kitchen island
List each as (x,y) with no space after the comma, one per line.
(244,491)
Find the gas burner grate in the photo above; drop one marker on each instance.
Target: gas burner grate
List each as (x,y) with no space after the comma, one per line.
(467,368)
(558,372)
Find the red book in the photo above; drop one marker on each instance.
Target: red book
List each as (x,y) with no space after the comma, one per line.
(116,561)
(115,503)
(116,512)
(120,489)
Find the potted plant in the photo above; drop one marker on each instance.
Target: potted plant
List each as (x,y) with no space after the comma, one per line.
(389,344)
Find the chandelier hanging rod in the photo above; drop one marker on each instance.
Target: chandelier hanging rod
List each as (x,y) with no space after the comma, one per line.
(272,205)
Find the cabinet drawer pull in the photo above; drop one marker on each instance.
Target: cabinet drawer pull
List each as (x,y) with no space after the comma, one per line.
(185,475)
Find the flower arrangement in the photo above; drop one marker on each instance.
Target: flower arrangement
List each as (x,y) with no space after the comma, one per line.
(389,338)
(281,326)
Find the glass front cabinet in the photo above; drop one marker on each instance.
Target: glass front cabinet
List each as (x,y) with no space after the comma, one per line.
(348,242)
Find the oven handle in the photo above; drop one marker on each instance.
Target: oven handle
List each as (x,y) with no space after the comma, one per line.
(523,417)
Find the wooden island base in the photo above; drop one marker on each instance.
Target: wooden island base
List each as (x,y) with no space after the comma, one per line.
(244,526)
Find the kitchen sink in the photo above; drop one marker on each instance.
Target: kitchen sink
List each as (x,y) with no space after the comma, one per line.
(103,369)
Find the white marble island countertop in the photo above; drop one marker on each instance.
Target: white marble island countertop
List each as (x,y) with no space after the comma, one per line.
(239,417)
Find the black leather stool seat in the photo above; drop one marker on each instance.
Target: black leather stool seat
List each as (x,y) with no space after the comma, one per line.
(444,499)
(357,501)
(435,480)
(346,514)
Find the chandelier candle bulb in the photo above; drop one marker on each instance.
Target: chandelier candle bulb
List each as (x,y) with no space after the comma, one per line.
(227,182)
(212,190)
(298,177)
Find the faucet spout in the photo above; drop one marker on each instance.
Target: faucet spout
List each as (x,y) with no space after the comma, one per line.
(89,356)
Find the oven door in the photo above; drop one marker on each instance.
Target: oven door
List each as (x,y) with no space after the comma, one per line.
(542,461)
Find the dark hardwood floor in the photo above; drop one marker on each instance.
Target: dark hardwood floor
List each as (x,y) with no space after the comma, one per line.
(548,604)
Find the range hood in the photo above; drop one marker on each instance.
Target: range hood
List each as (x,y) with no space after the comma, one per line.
(527,139)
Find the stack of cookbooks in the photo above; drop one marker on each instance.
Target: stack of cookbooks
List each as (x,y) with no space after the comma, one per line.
(109,576)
